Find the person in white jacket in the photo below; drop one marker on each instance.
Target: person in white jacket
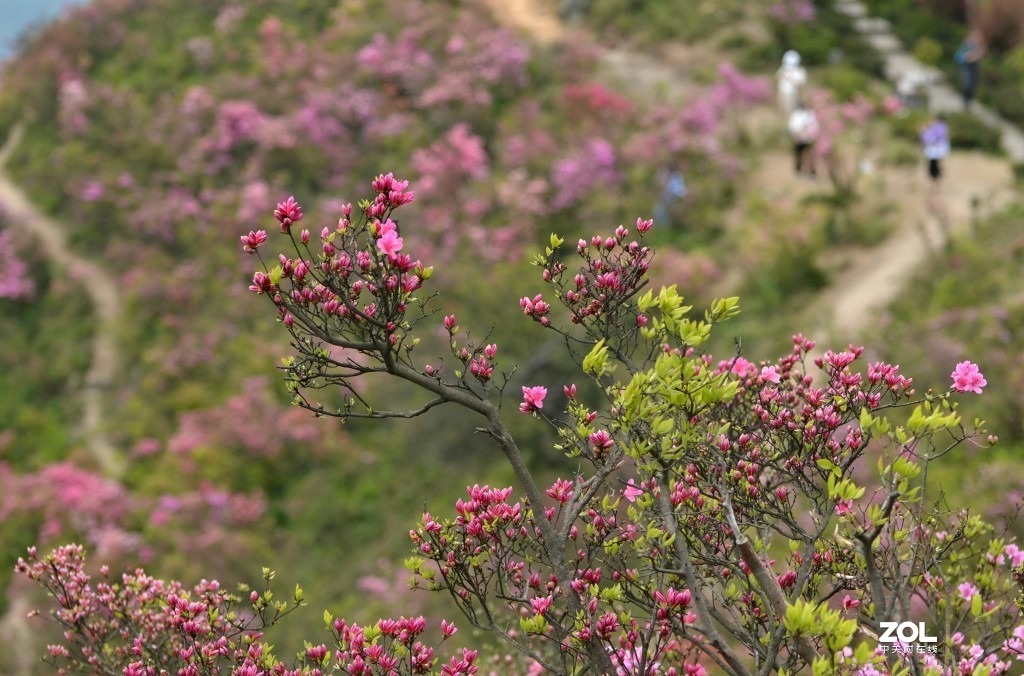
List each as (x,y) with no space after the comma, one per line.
(803,130)
(790,80)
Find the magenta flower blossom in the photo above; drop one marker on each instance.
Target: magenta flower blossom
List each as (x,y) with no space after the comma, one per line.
(632,492)
(601,441)
(967,590)
(742,367)
(533,398)
(390,243)
(561,490)
(1016,556)
(253,240)
(288,212)
(967,378)
(541,605)
(769,374)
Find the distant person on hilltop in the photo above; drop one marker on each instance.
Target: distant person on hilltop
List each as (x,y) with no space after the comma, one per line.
(935,140)
(790,80)
(968,57)
(804,131)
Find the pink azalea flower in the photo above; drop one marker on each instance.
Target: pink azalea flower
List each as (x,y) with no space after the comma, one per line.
(742,367)
(1016,557)
(390,243)
(770,374)
(533,398)
(967,590)
(967,378)
(632,492)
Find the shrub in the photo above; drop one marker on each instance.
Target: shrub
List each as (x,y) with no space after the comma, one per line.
(970,133)
(845,82)
(719,518)
(1001,23)
(928,51)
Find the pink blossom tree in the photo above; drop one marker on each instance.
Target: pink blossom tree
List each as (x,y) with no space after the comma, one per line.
(16,283)
(844,138)
(718,521)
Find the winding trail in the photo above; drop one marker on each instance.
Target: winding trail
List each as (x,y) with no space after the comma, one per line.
(104,295)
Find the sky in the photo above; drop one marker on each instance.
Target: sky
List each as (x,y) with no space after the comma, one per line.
(15,15)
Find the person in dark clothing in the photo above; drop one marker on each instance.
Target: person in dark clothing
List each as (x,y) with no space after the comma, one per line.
(968,57)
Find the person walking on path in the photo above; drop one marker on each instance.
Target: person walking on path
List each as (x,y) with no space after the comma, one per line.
(804,131)
(935,141)
(968,57)
(790,80)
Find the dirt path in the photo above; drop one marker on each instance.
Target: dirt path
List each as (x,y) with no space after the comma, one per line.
(865,280)
(537,20)
(106,301)
(872,278)
(17,635)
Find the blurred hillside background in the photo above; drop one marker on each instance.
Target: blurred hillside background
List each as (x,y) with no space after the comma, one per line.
(140,409)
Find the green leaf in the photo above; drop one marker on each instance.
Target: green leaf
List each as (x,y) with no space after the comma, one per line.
(905,467)
(825,463)
(976,605)
(596,362)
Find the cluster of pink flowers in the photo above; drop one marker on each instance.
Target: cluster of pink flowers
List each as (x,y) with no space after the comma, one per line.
(533,398)
(399,649)
(792,11)
(143,626)
(15,282)
(968,378)
(354,261)
(614,269)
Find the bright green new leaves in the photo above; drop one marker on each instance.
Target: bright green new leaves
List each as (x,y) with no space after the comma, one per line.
(843,489)
(806,618)
(871,425)
(665,399)
(928,418)
(800,617)
(596,363)
(722,309)
(535,625)
(670,319)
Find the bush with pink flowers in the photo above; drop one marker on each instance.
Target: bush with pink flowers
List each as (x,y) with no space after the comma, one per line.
(717,519)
